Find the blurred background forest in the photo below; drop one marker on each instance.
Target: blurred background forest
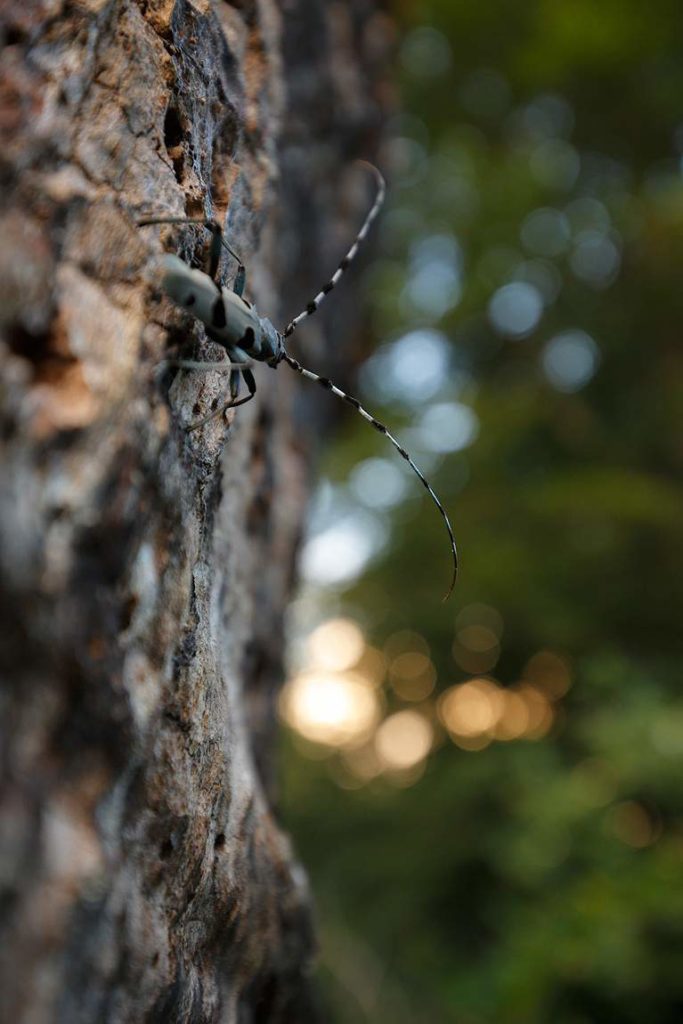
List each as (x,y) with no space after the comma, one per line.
(487,793)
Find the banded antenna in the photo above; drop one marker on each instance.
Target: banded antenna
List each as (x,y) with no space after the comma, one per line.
(329,386)
(350,256)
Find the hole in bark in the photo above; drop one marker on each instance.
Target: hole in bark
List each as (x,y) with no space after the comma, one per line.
(43,350)
(220,841)
(196,409)
(34,347)
(166,849)
(173,130)
(173,140)
(195,207)
(222,156)
(214,404)
(128,611)
(266,1000)
(13,35)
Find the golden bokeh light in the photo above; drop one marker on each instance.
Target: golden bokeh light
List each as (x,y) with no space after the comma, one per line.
(477,638)
(479,710)
(405,640)
(541,715)
(372,666)
(475,661)
(482,616)
(336,645)
(473,743)
(403,740)
(363,762)
(633,825)
(472,708)
(515,718)
(549,672)
(335,710)
(337,701)
(413,675)
(478,629)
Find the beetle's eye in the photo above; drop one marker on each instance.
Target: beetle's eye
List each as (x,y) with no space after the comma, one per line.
(190,300)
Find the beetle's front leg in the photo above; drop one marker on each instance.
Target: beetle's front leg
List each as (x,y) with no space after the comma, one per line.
(241,363)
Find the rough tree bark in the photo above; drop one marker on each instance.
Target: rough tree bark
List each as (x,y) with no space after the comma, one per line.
(146,570)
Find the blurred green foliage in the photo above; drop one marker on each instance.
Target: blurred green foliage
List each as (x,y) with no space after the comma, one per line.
(532,882)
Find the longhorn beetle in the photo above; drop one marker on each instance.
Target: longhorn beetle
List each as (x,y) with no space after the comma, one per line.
(231,321)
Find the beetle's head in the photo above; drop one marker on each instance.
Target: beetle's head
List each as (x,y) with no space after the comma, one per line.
(271,342)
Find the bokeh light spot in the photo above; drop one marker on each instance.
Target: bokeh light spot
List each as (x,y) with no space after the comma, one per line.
(586,213)
(426,52)
(372,666)
(546,232)
(543,275)
(448,427)
(550,673)
(596,259)
(403,740)
(479,614)
(413,675)
(539,710)
(477,637)
(471,708)
(433,289)
(405,640)
(335,710)
(378,483)
(514,718)
(555,164)
(515,309)
(341,552)
(548,116)
(336,645)
(363,762)
(633,825)
(570,360)
(475,661)
(411,369)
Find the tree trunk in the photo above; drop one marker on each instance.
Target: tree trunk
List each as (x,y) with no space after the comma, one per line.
(145,569)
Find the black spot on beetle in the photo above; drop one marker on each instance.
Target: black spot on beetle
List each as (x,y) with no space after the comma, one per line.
(218,313)
(190,300)
(248,339)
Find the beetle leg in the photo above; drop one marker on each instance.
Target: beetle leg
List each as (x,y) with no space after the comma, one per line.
(234,388)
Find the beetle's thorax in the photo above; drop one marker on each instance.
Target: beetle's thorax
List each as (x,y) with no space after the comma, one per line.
(229,319)
(272,346)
